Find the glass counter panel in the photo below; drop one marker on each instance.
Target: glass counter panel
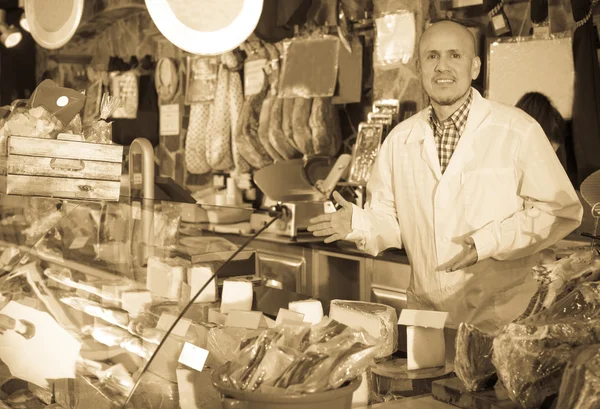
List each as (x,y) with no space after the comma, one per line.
(121,299)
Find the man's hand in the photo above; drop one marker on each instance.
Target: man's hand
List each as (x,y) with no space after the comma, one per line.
(334,225)
(464,259)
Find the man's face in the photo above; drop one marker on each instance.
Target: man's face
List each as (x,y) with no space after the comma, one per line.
(447,62)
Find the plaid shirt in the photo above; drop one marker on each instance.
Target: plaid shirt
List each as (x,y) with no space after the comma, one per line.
(447,133)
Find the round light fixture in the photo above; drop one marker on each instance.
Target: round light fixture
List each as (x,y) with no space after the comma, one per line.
(10,36)
(206,27)
(53,23)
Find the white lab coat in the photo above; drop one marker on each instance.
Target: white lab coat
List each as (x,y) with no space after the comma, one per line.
(504,187)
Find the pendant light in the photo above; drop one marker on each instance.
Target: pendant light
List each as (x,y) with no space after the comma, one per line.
(9,35)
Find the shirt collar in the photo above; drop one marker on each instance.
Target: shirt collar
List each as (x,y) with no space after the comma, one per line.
(458,118)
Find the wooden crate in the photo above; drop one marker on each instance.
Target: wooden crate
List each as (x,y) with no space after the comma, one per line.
(67,167)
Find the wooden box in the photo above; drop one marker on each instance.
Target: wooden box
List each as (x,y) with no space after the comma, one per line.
(66,167)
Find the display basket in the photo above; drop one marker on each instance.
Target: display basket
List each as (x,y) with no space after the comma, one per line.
(340,398)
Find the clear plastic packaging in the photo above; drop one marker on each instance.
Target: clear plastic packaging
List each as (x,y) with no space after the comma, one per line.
(395,39)
(530,356)
(100,131)
(340,354)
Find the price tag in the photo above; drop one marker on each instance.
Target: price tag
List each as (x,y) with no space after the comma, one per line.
(193,356)
(169,119)
(136,211)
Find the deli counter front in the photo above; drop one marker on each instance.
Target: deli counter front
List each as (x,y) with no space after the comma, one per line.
(125,304)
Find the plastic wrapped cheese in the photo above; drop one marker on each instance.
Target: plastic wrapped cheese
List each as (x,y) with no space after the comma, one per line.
(197,276)
(379,320)
(312,310)
(165,276)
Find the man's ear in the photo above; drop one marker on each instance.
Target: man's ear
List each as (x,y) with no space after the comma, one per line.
(418,65)
(475,67)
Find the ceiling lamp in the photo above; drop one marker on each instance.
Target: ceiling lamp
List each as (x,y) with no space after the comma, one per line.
(206,27)
(9,36)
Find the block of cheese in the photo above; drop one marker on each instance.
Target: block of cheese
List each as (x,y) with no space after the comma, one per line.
(379,320)
(312,310)
(165,276)
(135,301)
(197,276)
(425,338)
(237,295)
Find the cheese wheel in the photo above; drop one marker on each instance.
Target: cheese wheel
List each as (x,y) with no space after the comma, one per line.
(379,320)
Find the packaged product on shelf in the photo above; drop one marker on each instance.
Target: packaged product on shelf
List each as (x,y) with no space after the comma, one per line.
(57,162)
(312,310)
(284,369)
(379,320)
(165,276)
(223,342)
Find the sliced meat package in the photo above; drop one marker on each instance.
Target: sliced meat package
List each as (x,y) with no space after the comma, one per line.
(195,146)
(580,385)
(236,101)
(556,282)
(473,360)
(530,356)
(301,131)
(325,127)
(246,132)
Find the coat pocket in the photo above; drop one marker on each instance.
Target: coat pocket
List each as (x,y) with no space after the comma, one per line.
(490,195)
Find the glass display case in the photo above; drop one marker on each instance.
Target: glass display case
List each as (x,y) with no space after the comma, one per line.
(120,304)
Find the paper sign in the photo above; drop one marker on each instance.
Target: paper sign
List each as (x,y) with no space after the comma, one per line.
(193,356)
(243,319)
(254,76)
(287,315)
(215,315)
(136,208)
(169,119)
(50,354)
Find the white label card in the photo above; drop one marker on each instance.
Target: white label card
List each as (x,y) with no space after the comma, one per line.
(193,356)
(169,119)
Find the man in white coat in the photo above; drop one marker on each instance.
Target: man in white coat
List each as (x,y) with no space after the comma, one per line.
(470,188)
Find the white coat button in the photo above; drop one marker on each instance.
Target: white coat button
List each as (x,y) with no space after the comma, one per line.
(445,239)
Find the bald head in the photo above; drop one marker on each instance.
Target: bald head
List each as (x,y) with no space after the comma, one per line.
(448,62)
(451,30)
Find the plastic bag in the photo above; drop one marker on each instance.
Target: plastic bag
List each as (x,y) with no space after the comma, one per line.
(100,131)
(395,40)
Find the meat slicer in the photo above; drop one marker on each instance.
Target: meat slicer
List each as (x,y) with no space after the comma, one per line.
(301,189)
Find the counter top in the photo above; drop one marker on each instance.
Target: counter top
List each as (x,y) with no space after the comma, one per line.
(345,247)
(418,402)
